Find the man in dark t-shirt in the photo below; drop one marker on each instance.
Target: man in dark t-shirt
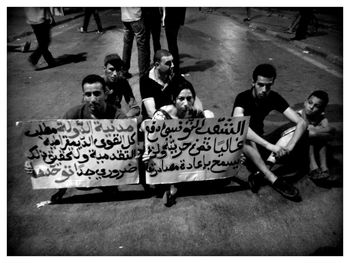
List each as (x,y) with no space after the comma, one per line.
(118,86)
(154,86)
(257,103)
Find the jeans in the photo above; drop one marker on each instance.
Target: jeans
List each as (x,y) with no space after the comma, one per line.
(137,29)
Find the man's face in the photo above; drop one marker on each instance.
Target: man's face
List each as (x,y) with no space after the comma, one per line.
(262,87)
(313,106)
(95,97)
(166,66)
(184,103)
(112,73)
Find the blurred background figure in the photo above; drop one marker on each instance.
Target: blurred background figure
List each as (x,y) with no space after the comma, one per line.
(39,18)
(153,21)
(173,18)
(88,11)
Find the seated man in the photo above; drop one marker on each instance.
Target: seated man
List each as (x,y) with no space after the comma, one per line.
(94,107)
(154,86)
(257,102)
(118,86)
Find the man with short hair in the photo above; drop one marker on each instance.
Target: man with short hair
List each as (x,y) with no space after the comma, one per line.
(257,103)
(94,106)
(154,85)
(118,86)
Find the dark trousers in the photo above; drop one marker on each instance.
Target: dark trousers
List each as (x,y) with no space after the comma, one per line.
(298,159)
(43,36)
(305,18)
(171,32)
(88,12)
(138,30)
(153,25)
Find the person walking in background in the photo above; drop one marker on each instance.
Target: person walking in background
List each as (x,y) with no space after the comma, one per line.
(134,26)
(153,21)
(248,12)
(305,14)
(39,18)
(88,11)
(173,18)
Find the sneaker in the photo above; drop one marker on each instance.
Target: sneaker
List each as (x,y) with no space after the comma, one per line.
(168,199)
(81,30)
(99,32)
(286,190)
(254,181)
(57,197)
(127,75)
(26,47)
(317,174)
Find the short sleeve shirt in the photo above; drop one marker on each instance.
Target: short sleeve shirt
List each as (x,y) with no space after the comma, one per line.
(151,89)
(119,89)
(258,112)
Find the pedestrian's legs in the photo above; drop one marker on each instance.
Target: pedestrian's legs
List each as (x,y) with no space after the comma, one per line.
(42,33)
(155,30)
(97,20)
(87,15)
(143,48)
(171,32)
(127,46)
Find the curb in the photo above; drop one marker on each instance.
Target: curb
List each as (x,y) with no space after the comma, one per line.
(313,49)
(28,33)
(334,59)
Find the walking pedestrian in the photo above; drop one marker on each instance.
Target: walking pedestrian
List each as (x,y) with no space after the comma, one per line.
(39,18)
(305,14)
(153,22)
(88,11)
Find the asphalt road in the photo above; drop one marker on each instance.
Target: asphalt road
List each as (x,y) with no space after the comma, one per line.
(218,56)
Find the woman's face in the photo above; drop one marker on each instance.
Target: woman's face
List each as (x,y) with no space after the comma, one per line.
(184,102)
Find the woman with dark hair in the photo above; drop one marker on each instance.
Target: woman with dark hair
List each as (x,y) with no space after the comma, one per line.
(183,97)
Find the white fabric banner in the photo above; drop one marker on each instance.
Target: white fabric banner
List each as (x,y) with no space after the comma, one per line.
(193,149)
(81,153)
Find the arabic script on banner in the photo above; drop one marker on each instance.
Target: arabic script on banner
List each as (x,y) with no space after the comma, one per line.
(81,153)
(193,149)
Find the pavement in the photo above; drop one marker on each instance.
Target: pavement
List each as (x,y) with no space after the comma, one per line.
(232,221)
(326,43)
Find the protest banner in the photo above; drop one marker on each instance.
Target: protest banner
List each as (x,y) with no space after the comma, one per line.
(81,153)
(193,149)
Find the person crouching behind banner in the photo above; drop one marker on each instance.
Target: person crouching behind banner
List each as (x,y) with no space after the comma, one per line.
(183,97)
(94,106)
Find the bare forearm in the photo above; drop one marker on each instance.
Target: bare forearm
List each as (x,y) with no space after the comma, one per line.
(299,131)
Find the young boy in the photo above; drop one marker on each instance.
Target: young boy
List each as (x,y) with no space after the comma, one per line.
(319,134)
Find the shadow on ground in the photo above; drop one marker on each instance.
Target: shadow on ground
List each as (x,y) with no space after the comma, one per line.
(67,59)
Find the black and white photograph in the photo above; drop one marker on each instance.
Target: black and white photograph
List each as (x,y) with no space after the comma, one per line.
(184,129)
